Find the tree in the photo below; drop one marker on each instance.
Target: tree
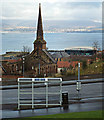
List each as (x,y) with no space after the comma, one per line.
(95,45)
(84,64)
(26,49)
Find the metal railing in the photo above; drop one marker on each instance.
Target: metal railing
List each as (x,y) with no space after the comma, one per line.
(32,92)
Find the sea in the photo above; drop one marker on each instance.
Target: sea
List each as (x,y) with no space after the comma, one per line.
(55,41)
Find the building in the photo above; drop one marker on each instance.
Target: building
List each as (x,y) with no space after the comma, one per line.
(62,65)
(40,62)
(65,65)
(81,51)
(58,55)
(12,55)
(11,66)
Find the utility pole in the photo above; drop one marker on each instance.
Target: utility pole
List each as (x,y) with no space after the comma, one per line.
(23,57)
(39,67)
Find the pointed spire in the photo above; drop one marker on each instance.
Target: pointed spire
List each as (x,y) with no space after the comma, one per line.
(39,43)
(40,26)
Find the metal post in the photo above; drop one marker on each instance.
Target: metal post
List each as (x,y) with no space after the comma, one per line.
(46,93)
(23,65)
(60,92)
(39,67)
(78,81)
(32,93)
(18,95)
(78,71)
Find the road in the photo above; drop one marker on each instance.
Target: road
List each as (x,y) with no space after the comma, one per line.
(70,82)
(87,91)
(91,95)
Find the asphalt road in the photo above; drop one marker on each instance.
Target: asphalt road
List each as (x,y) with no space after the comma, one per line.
(92,90)
(90,94)
(68,82)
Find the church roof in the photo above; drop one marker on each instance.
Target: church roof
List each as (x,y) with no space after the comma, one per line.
(39,37)
(49,55)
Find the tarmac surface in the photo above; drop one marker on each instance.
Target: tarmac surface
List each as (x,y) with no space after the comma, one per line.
(90,94)
(38,112)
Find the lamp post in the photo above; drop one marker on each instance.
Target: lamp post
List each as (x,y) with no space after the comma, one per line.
(96,68)
(39,67)
(78,81)
(23,65)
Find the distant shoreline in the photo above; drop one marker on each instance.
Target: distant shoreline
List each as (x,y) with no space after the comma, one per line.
(46,32)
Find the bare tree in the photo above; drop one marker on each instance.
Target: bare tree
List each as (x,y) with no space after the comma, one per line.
(26,49)
(96,45)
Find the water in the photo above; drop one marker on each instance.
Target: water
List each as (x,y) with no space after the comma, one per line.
(15,41)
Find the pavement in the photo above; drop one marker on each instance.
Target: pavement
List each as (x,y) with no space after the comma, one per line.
(79,107)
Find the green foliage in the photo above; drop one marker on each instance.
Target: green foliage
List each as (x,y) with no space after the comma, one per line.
(88,114)
(57,75)
(84,64)
(70,72)
(63,72)
(94,68)
(71,67)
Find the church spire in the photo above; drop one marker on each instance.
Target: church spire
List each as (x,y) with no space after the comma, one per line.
(40,26)
(39,43)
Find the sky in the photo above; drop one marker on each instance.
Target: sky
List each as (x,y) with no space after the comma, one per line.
(53,9)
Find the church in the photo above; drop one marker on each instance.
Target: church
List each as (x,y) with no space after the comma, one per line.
(40,62)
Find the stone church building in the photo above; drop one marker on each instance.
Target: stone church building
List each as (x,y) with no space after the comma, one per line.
(40,62)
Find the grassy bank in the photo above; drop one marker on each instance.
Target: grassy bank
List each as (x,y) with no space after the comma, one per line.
(89,114)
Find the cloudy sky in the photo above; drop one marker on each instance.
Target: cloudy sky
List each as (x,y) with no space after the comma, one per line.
(53,9)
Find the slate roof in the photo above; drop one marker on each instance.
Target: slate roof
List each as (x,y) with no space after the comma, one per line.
(49,55)
(59,54)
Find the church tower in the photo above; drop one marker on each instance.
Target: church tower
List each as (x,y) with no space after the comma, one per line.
(39,43)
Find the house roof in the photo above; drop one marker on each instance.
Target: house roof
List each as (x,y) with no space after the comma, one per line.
(66,64)
(63,64)
(59,54)
(13,54)
(12,61)
(74,63)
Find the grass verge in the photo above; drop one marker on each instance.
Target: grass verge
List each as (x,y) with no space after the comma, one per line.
(88,114)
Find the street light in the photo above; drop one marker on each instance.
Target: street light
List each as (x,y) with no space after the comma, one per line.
(39,67)
(23,57)
(78,81)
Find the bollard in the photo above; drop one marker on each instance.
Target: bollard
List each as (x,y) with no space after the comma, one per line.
(65,100)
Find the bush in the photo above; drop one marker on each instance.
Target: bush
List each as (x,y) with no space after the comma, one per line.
(84,64)
(58,75)
(70,72)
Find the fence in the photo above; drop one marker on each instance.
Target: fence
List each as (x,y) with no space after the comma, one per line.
(42,88)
